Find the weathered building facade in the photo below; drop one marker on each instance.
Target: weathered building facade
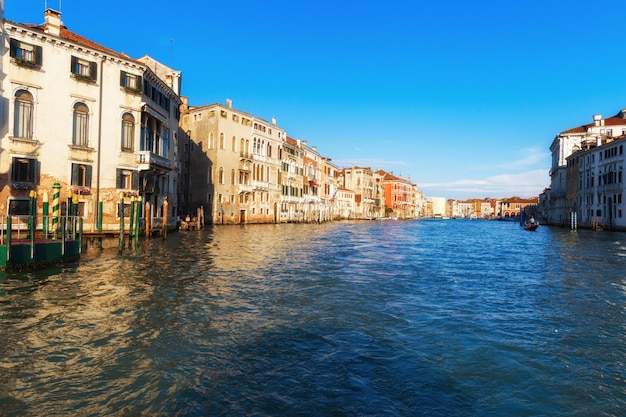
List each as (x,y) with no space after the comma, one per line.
(80,118)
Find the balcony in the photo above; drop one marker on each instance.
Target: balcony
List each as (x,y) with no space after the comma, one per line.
(261,185)
(245,188)
(245,156)
(148,160)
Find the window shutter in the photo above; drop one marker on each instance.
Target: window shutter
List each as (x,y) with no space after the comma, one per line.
(93,70)
(134,180)
(32,171)
(118,178)
(14,45)
(38,55)
(88,175)
(73,65)
(75,176)
(139,82)
(123,78)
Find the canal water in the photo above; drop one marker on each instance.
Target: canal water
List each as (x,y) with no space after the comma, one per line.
(373,318)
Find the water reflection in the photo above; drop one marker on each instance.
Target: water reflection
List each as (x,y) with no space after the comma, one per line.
(365,318)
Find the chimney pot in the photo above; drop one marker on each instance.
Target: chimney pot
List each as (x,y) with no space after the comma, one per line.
(52,20)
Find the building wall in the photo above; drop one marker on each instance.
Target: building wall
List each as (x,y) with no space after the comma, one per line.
(55,91)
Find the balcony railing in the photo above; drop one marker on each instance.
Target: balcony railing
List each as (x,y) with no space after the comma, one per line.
(147,159)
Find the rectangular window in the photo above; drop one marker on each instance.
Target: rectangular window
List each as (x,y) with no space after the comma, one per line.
(127,179)
(83,69)
(18,207)
(24,170)
(81,175)
(131,82)
(24,53)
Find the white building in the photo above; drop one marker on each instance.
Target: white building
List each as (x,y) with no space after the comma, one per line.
(94,121)
(554,201)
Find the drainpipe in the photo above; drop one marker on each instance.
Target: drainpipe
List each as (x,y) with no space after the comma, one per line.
(97,211)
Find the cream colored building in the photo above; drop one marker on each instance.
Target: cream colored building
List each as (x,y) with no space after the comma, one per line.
(346,207)
(361,181)
(234,173)
(328,189)
(554,206)
(291,181)
(94,121)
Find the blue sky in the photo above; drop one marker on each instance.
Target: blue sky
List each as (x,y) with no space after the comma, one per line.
(463,97)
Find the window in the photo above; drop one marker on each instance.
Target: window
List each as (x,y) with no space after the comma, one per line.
(24,53)
(81,175)
(23,117)
(130,82)
(19,207)
(127,179)
(128,132)
(221,141)
(221,176)
(81,125)
(83,69)
(24,170)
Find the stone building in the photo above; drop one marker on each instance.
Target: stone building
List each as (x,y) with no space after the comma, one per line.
(87,120)
(233,165)
(554,208)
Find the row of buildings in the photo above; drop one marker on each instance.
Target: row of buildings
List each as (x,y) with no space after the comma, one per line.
(485,208)
(105,130)
(586,176)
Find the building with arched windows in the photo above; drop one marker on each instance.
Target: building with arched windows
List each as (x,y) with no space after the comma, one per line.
(91,120)
(232,166)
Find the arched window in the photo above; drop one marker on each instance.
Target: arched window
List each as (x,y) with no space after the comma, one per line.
(269,150)
(232,177)
(128,132)
(234,144)
(81,125)
(242,148)
(222,141)
(23,126)
(211,141)
(220,177)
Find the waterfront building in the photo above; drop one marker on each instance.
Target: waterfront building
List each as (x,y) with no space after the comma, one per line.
(312,203)
(509,208)
(235,168)
(328,189)
(595,185)
(94,122)
(438,207)
(554,207)
(400,196)
(361,181)
(346,206)
(291,180)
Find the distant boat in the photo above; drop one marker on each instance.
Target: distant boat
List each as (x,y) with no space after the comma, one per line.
(531,227)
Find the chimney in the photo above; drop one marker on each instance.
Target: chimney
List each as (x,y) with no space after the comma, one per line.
(52,22)
(274,121)
(597,119)
(229,103)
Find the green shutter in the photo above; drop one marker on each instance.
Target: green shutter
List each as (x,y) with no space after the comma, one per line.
(93,70)
(75,172)
(118,178)
(73,65)
(134,180)
(88,169)
(14,44)
(123,78)
(38,55)
(139,82)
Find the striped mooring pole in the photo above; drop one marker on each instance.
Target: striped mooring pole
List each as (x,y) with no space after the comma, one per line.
(56,195)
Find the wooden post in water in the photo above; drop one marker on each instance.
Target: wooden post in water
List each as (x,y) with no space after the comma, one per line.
(56,213)
(164,224)
(148,215)
(121,213)
(138,214)
(131,226)
(45,209)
